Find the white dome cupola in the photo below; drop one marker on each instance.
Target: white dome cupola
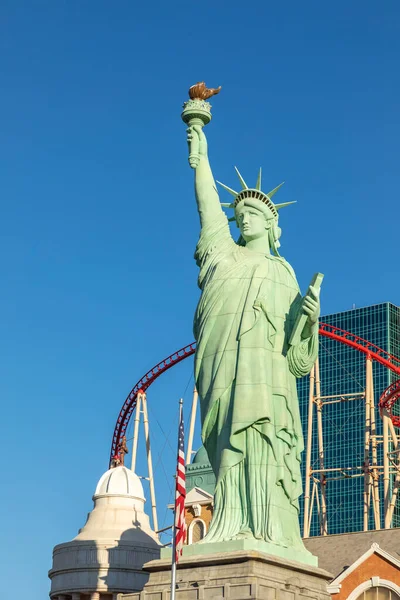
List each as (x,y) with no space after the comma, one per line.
(107,555)
(119,481)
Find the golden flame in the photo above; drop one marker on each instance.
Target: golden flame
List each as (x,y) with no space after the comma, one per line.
(199,91)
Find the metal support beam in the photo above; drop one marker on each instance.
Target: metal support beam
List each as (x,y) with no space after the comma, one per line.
(367,431)
(319,404)
(149,463)
(192,426)
(136,431)
(375,472)
(386,499)
(307,511)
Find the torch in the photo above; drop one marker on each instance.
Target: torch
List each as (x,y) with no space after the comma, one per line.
(197,111)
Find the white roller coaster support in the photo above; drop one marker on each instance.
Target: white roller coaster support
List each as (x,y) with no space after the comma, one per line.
(385,420)
(136,431)
(307,511)
(149,463)
(319,404)
(192,426)
(393,433)
(392,504)
(375,471)
(396,483)
(367,434)
(313,494)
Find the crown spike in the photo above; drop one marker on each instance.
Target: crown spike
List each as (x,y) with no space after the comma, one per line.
(273,192)
(227,205)
(228,189)
(242,181)
(258,184)
(278,206)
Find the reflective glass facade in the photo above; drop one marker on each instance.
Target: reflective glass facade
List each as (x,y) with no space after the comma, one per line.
(342,371)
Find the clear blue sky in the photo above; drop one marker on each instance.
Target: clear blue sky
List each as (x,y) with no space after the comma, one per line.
(98,221)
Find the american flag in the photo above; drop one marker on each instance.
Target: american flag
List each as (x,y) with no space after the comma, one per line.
(180,492)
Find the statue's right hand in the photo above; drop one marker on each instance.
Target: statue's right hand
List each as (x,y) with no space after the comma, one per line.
(197,141)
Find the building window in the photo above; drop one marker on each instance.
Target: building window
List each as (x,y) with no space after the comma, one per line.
(197,530)
(378,593)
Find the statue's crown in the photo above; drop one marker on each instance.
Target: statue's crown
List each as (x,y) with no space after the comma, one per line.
(255,194)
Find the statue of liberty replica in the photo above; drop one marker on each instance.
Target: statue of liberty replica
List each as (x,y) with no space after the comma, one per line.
(255,335)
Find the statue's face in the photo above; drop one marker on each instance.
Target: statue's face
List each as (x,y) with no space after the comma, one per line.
(252,223)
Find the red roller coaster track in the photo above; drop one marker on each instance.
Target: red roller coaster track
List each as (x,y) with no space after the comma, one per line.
(387,400)
(145,382)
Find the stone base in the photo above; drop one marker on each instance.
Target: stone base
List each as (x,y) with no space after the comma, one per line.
(246,544)
(239,575)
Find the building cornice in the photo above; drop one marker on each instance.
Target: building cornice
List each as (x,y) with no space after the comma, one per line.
(198,467)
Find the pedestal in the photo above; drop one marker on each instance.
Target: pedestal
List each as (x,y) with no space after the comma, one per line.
(246,544)
(238,575)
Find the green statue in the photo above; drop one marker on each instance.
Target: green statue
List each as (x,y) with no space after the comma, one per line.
(250,351)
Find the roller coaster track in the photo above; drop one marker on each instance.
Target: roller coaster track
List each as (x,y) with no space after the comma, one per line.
(142,385)
(387,400)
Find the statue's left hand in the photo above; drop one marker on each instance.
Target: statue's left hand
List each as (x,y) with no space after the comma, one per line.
(311,307)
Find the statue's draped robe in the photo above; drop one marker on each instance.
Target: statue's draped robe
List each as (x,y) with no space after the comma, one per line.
(245,374)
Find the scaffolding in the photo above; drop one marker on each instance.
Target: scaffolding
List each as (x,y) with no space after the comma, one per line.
(142,413)
(318,476)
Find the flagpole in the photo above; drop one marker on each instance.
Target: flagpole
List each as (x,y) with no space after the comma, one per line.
(173,569)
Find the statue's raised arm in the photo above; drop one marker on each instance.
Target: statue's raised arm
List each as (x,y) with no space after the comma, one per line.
(207,198)
(197,113)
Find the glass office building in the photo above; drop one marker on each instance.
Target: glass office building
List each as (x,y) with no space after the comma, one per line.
(343,371)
